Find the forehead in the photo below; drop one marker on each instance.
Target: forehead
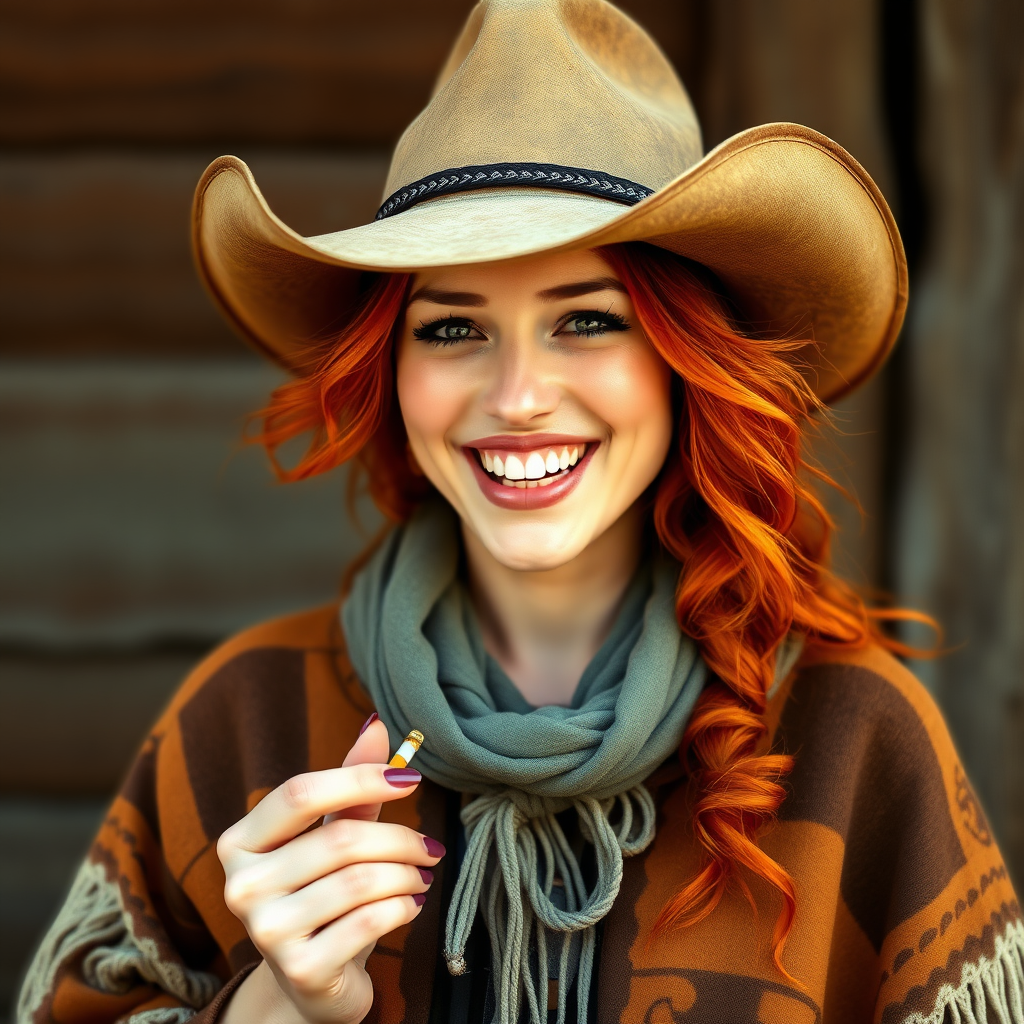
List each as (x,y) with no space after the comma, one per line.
(528,274)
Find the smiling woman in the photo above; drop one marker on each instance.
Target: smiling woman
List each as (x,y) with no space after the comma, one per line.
(537,405)
(604,600)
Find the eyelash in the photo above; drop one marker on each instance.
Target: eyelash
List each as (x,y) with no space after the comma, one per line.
(611,322)
(425,332)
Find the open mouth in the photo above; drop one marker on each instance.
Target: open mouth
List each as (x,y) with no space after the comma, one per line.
(518,472)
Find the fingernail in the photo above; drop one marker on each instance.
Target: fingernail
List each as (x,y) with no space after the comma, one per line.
(427,876)
(366,725)
(434,848)
(419,898)
(402,776)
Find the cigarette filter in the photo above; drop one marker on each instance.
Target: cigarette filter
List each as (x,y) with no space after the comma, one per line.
(404,754)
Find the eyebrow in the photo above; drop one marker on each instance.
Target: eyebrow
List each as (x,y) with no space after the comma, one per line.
(443,298)
(562,291)
(572,291)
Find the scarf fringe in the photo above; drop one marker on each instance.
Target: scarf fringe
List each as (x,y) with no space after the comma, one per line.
(989,990)
(94,919)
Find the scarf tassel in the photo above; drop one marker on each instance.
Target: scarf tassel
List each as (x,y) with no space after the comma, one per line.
(516,844)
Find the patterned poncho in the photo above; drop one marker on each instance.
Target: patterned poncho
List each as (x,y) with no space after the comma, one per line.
(905,913)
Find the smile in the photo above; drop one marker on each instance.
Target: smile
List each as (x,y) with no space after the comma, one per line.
(531,472)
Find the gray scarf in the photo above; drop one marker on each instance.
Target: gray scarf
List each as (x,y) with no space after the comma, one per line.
(414,642)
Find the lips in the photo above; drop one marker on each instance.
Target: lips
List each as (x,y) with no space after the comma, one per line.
(529,472)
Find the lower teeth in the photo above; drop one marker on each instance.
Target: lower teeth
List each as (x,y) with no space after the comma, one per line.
(543,482)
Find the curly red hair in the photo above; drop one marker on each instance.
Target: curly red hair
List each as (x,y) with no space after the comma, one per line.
(731,504)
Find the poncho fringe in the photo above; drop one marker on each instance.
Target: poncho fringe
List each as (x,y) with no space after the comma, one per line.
(989,990)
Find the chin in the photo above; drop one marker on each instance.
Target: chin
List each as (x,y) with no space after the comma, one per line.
(532,547)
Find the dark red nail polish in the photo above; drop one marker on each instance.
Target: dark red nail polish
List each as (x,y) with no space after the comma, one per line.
(402,776)
(427,876)
(434,848)
(419,898)
(366,725)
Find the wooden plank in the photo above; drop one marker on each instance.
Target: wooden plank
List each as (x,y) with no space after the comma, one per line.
(138,519)
(41,844)
(94,252)
(184,71)
(267,71)
(72,722)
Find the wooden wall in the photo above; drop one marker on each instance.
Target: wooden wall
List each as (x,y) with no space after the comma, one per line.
(136,533)
(960,553)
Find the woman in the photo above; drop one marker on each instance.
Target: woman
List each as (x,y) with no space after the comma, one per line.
(671,772)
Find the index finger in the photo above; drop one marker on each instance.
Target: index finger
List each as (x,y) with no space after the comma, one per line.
(296,804)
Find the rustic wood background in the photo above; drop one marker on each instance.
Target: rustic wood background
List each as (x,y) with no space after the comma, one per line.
(136,532)
(960,510)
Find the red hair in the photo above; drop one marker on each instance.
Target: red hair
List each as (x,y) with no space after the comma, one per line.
(730,504)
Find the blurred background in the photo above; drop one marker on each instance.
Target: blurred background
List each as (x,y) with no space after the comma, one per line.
(136,532)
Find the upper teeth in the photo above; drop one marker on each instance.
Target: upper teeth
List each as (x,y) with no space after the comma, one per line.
(532,465)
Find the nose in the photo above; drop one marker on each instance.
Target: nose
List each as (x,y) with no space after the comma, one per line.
(519,391)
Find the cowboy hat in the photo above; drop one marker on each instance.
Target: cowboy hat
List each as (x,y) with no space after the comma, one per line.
(559,125)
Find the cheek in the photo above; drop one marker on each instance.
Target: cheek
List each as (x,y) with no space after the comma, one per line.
(429,396)
(631,392)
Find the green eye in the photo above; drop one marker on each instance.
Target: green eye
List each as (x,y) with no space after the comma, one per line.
(587,325)
(591,323)
(446,331)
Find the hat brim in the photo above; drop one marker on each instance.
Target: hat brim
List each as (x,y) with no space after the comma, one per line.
(790,223)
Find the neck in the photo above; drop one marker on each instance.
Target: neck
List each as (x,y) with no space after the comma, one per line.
(544,628)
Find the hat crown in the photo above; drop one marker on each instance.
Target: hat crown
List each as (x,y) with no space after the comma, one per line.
(569,82)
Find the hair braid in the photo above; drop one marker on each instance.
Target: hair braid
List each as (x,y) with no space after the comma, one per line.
(727,506)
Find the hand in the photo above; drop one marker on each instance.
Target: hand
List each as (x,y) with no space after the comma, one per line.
(315,903)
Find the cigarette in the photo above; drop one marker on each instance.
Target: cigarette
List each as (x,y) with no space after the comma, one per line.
(405,753)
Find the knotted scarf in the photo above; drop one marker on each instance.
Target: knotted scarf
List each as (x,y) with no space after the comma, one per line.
(414,641)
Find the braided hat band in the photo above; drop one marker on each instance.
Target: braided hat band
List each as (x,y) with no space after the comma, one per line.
(556,176)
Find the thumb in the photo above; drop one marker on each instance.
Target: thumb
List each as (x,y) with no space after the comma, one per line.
(372,747)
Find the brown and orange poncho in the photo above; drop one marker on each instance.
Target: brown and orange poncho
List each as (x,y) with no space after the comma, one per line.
(905,913)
